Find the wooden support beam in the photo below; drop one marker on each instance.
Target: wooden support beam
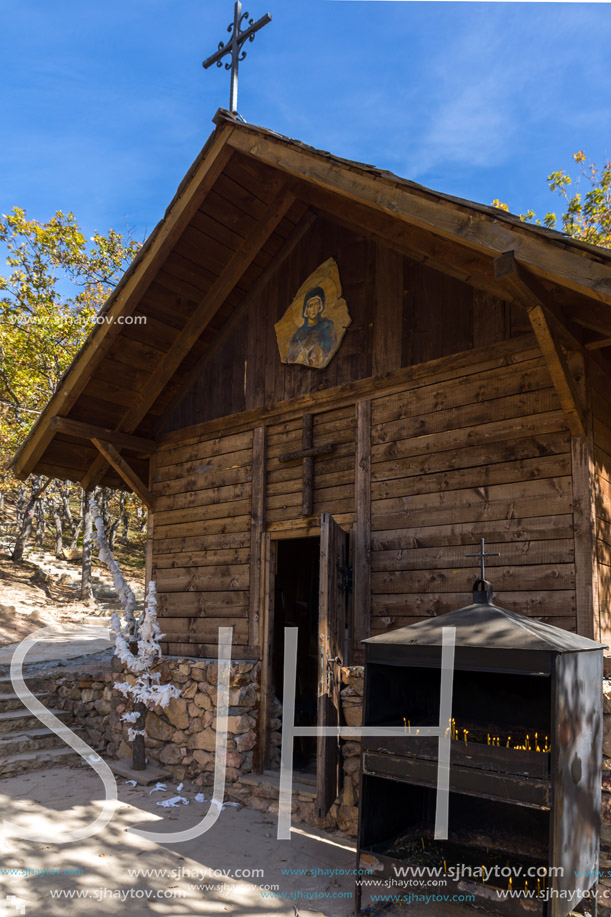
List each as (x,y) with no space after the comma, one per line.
(362,527)
(266,602)
(559,371)
(89,431)
(598,345)
(116,460)
(507,271)
(584,527)
(208,307)
(257,515)
(230,325)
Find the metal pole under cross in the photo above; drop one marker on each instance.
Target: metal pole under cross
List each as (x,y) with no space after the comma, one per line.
(234,47)
(482,554)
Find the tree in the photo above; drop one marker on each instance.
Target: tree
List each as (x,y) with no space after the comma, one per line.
(587,216)
(55,283)
(137,647)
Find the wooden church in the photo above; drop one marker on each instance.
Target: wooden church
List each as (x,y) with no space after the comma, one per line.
(327,384)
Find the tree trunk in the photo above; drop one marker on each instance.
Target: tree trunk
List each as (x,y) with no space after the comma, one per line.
(138,749)
(86,591)
(41,522)
(105,508)
(76,536)
(113,533)
(124,519)
(28,518)
(20,504)
(56,509)
(66,511)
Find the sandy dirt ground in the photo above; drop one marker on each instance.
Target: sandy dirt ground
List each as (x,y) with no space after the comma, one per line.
(197,878)
(43,590)
(241,840)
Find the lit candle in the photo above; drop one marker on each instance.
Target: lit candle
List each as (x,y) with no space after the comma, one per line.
(483,875)
(404,725)
(488,738)
(538,886)
(445,867)
(510,881)
(465,734)
(508,741)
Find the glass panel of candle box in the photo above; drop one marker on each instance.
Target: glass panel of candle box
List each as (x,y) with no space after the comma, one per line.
(501,724)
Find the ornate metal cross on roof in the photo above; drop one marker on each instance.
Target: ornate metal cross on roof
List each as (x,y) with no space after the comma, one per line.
(482,554)
(234,47)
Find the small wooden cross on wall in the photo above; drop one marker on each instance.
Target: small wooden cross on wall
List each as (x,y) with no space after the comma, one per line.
(307,454)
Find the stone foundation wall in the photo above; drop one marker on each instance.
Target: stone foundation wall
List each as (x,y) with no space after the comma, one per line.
(181,737)
(88,698)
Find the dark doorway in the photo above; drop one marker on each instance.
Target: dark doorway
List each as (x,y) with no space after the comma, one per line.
(296,605)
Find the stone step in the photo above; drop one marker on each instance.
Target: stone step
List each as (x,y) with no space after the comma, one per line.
(268,784)
(25,762)
(34,684)
(22,720)
(28,740)
(14,702)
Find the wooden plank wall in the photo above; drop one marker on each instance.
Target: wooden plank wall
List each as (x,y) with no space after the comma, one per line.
(202,542)
(403,313)
(487,455)
(466,450)
(333,473)
(601,411)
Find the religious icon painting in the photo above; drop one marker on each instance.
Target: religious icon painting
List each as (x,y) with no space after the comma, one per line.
(312,328)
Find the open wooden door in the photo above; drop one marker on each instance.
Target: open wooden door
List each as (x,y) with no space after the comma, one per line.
(335,586)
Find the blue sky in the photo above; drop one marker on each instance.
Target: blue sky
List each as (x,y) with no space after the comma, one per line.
(104,105)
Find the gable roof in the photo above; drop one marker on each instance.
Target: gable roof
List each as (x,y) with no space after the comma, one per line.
(207,255)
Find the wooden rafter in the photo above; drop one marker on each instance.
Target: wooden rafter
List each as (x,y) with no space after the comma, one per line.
(212,301)
(126,472)
(541,320)
(597,345)
(189,198)
(450,258)
(452,219)
(238,314)
(89,431)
